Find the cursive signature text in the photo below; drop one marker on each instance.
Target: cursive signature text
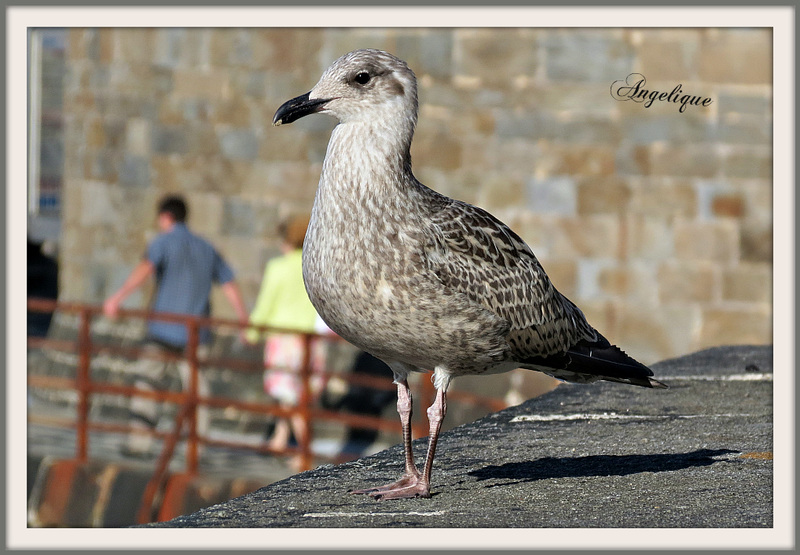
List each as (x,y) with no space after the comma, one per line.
(633,88)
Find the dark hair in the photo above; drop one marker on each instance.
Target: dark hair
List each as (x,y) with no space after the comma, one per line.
(175,206)
(293,230)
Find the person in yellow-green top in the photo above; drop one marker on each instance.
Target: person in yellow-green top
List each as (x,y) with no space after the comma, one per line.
(283,303)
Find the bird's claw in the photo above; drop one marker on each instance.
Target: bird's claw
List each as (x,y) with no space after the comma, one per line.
(409,486)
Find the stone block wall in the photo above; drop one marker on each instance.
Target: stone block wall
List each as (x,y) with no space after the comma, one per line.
(656,222)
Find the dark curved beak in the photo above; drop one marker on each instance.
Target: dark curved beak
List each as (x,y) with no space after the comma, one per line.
(296,108)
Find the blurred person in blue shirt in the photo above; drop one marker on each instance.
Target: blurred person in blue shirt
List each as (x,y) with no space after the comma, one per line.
(185,267)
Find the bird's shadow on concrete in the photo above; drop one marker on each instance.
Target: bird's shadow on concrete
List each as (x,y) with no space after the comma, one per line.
(596,465)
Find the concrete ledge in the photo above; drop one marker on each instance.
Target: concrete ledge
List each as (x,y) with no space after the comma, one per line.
(604,455)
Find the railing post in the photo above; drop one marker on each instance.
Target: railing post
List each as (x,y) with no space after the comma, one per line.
(192,394)
(82,379)
(305,403)
(428,393)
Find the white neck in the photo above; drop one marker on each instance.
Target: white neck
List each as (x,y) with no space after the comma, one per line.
(366,155)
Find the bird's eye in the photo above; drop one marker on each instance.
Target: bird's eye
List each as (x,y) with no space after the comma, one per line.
(362,78)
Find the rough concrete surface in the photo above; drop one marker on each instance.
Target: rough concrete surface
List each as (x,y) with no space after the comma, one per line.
(604,455)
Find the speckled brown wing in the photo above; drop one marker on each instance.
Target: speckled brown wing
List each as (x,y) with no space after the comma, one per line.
(475,254)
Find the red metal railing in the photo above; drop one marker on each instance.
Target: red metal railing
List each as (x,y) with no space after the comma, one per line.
(189,400)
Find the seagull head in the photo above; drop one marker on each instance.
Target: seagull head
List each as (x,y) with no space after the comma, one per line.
(363,85)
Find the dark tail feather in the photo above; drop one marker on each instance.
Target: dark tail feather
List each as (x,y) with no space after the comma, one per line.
(599,360)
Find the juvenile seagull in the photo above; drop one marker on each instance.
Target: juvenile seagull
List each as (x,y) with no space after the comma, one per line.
(420,280)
